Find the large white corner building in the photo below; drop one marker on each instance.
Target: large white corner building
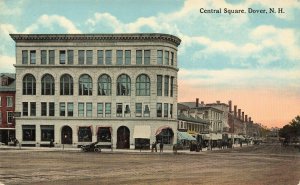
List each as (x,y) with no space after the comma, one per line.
(118,89)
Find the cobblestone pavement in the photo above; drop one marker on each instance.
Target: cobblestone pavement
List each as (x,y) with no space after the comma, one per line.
(265,164)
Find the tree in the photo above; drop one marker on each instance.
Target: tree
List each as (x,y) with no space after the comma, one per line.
(291,131)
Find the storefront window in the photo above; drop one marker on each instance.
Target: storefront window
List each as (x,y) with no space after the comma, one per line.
(84,134)
(165,136)
(28,132)
(47,132)
(104,134)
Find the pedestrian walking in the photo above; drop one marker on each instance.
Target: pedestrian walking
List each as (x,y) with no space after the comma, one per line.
(153,147)
(161,147)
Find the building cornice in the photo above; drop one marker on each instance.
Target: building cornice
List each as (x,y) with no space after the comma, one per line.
(126,37)
(94,66)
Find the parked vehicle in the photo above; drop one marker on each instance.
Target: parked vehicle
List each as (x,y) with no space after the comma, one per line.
(93,147)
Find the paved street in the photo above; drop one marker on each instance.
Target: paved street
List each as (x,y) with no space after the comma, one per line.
(266,164)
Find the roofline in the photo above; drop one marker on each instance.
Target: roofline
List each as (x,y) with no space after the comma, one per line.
(207,107)
(96,37)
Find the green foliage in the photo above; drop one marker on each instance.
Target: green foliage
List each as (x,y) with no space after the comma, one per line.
(291,131)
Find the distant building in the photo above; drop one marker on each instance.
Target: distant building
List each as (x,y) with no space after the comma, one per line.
(118,89)
(7,107)
(191,121)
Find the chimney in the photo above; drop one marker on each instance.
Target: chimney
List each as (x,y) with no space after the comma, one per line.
(249,119)
(230,106)
(246,118)
(243,117)
(239,113)
(235,107)
(202,102)
(197,102)
(218,102)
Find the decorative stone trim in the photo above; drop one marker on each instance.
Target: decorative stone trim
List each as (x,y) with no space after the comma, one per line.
(96,37)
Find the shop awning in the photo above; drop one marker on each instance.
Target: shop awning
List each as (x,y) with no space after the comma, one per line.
(185,136)
(142,131)
(216,136)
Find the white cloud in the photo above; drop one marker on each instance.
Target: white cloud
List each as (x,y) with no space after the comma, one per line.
(6,29)
(242,77)
(6,63)
(285,39)
(7,10)
(49,21)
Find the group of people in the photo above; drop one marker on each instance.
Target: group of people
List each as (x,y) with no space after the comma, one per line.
(154,147)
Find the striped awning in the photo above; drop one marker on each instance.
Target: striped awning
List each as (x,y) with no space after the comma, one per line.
(185,136)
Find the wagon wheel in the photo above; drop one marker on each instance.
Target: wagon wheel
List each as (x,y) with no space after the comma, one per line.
(97,149)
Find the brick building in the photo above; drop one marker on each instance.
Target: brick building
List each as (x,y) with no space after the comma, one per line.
(7,107)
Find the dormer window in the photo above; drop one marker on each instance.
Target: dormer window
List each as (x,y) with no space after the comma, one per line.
(4,81)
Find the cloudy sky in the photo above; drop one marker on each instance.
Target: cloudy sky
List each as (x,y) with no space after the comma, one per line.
(251,59)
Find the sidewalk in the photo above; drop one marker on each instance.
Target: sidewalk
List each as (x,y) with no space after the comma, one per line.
(124,151)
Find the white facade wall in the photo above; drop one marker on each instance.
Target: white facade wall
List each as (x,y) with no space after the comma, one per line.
(75,70)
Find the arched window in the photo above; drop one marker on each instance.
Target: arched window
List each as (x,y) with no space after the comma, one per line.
(85,85)
(29,85)
(123,85)
(143,85)
(66,85)
(104,85)
(48,85)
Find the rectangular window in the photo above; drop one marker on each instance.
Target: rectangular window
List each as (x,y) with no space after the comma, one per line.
(166,91)
(32,57)
(100,57)
(107,109)
(81,57)
(70,56)
(127,57)
(89,109)
(80,109)
(108,55)
(159,109)
(51,56)
(172,87)
(70,109)
(100,110)
(9,101)
(10,117)
(43,108)
(166,57)
(62,57)
(28,132)
(138,109)
(43,56)
(119,57)
(51,109)
(47,132)
(127,110)
(139,57)
(119,109)
(32,108)
(89,57)
(25,108)
(62,109)
(24,57)
(159,57)
(159,85)
(166,111)
(172,58)
(146,111)
(147,57)
(171,110)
